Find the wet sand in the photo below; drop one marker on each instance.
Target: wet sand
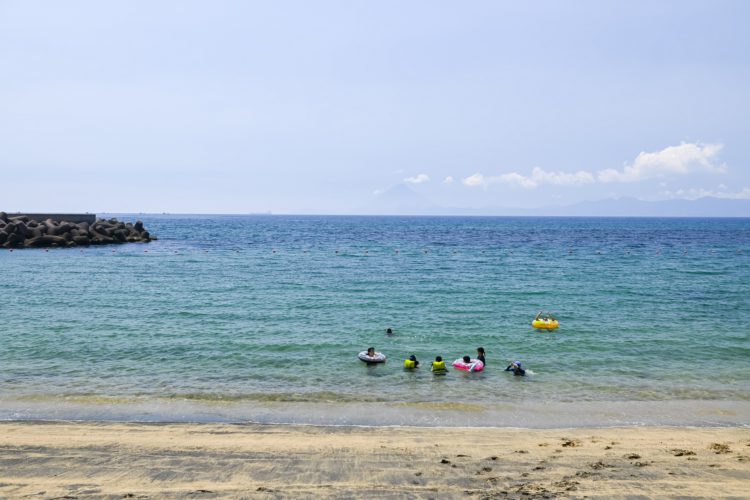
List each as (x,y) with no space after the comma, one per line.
(275,461)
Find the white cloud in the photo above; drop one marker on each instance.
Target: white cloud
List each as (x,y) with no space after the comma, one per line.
(419,179)
(516,178)
(475,180)
(694,194)
(561,178)
(448,180)
(671,161)
(742,195)
(538,176)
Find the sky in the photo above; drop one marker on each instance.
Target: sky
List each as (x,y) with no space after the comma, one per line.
(333,106)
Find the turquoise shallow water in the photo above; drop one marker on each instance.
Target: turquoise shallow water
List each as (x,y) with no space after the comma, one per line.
(247,317)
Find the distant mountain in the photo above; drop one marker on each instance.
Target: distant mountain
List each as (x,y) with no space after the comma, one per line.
(402,200)
(631,207)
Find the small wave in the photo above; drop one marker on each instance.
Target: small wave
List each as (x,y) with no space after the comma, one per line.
(445,406)
(89,399)
(288,397)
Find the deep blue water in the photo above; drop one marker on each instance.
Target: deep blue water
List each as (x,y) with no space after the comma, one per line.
(265,311)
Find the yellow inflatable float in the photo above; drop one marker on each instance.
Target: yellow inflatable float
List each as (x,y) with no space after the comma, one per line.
(545,321)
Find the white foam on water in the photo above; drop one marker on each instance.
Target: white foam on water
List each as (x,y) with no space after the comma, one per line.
(509,415)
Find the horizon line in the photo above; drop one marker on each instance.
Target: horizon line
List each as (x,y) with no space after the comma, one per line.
(312,214)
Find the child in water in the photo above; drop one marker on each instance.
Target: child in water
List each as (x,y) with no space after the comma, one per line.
(515,367)
(438,366)
(411,363)
(480,355)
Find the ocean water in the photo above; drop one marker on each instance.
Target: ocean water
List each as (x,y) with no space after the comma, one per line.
(237,318)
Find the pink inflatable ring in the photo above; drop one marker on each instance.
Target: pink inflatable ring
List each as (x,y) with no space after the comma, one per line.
(472,366)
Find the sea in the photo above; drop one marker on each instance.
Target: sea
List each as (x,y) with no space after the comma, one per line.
(259,318)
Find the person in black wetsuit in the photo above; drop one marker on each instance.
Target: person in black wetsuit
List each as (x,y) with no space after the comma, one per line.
(516,368)
(480,355)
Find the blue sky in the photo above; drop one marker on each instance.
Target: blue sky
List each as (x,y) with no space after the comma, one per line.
(326,106)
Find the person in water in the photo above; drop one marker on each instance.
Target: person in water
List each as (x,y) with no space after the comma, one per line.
(411,363)
(468,364)
(388,332)
(480,355)
(516,368)
(438,366)
(371,351)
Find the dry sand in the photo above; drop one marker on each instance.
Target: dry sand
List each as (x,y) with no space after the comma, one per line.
(273,461)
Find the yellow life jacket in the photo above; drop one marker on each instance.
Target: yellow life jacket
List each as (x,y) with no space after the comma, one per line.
(438,366)
(408,363)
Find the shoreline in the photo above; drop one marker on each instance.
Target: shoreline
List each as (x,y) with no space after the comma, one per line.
(333,427)
(280,461)
(489,415)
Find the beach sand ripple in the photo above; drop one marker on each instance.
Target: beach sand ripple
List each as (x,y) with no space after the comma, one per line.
(276,461)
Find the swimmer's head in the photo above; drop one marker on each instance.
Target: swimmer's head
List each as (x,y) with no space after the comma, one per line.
(413,357)
(438,358)
(467,359)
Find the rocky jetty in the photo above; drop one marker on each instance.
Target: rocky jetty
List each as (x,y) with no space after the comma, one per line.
(24,232)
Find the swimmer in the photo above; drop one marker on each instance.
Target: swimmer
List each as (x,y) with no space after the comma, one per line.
(388,332)
(480,355)
(516,368)
(411,363)
(371,356)
(438,366)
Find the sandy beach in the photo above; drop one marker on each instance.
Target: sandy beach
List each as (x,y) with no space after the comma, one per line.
(270,461)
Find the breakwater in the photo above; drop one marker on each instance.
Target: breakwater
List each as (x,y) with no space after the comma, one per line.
(67,230)
(76,218)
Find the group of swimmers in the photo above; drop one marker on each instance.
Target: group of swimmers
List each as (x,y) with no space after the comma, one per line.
(438,367)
